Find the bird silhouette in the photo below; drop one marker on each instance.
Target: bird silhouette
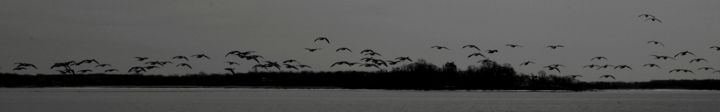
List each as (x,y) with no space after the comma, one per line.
(25,65)
(288,66)
(404,59)
(681,70)
(440,47)
(706,68)
(646,16)
(184,64)
(232,63)
(598,58)
(698,60)
(343,49)
(654,19)
(137,69)
(372,54)
(199,56)
(322,39)
(239,53)
(555,46)
(553,68)
(312,49)
(181,57)
(651,65)
(141,58)
(392,62)
(103,65)
(492,51)
(717,48)
(88,61)
(253,57)
(290,61)
(111,70)
(623,67)
(471,46)
(19,68)
(84,71)
(526,63)
(556,65)
(370,65)
(341,63)
(366,51)
(606,66)
(231,70)
(607,76)
(476,54)
(513,45)
(684,53)
(592,66)
(655,43)
(663,57)
(304,66)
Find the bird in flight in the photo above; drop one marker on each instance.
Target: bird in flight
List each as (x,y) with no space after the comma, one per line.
(141,58)
(184,64)
(231,70)
(553,68)
(492,51)
(706,68)
(440,47)
(717,48)
(655,43)
(137,69)
(366,51)
(607,76)
(598,58)
(698,60)
(555,46)
(681,70)
(111,70)
(19,68)
(312,49)
(662,57)
(232,63)
(291,66)
(88,61)
(646,16)
(343,49)
(592,66)
(23,65)
(684,53)
(200,56)
(372,54)
(404,59)
(239,53)
(476,54)
(526,63)
(654,19)
(651,65)
(606,66)
(623,67)
(513,45)
(84,71)
(322,39)
(181,57)
(471,46)
(290,61)
(103,65)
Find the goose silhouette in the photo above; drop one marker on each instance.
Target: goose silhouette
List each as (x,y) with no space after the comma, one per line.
(606,66)
(290,61)
(253,57)
(607,76)
(111,70)
(662,57)
(199,56)
(698,60)
(239,53)
(184,65)
(553,68)
(555,46)
(404,59)
(392,62)
(103,65)
(684,53)
(88,61)
(344,63)
(592,66)
(654,19)
(322,39)
(471,46)
(372,54)
(598,58)
(476,54)
(288,66)
(343,49)
(681,70)
(84,71)
(439,47)
(492,51)
(623,67)
(232,63)
(646,16)
(19,68)
(141,58)
(366,51)
(557,65)
(651,65)
(305,66)
(137,69)
(312,49)
(25,65)
(655,43)
(706,68)
(513,45)
(181,57)
(526,63)
(717,48)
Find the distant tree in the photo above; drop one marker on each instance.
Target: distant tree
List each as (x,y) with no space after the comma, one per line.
(449,67)
(418,66)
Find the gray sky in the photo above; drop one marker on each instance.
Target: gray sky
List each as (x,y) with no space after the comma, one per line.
(114,31)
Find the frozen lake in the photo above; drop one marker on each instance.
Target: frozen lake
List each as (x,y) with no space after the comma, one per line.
(329,100)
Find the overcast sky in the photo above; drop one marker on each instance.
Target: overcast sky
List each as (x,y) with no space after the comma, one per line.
(115,31)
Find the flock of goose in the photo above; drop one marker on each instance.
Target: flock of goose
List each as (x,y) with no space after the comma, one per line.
(372,59)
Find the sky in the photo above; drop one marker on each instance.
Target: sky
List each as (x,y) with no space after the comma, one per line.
(43,32)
